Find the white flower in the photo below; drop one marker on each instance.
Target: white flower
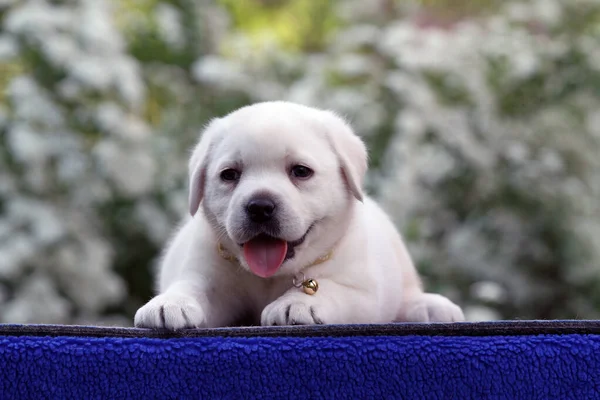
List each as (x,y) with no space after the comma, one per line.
(488,291)
(38,19)
(8,48)
(95,286)
(356,36)
(481,313)
(43,222)
(218,71)
(37,301)
(168,19)
(96,28)
(155,220)
(132,170)
(593,123)
(549,12)
(72,167)
(26,144)
(32,103)
(16,249)
(353,65)
(124,125)
(128,81)
(61,50)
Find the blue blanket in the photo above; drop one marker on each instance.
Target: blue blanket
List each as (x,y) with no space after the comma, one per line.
(503,360)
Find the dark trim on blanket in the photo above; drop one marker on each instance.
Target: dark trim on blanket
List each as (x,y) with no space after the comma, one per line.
(496,328)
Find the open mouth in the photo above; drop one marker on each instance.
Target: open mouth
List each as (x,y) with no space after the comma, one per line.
(265,254)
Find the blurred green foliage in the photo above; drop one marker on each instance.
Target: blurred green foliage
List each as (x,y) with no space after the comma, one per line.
(300,25)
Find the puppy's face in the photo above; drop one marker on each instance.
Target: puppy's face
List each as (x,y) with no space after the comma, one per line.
(275,178)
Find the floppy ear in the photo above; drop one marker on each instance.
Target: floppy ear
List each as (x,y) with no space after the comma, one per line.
(350,150)
(197,166)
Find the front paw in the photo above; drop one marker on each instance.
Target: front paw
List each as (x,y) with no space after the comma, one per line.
(168,311)
(293,310)
(430,307)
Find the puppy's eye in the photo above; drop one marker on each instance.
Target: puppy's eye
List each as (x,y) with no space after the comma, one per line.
(301,172)
(230,175)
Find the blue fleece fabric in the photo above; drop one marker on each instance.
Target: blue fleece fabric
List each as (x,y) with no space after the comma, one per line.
(381,367)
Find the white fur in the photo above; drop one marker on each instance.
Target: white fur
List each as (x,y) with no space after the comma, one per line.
(370,277)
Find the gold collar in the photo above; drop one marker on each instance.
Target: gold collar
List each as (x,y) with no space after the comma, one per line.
(309,285)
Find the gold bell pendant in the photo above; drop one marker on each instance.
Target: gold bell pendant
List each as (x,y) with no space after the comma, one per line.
(310,286)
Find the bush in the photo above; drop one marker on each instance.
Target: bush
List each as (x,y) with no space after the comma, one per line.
(483,135)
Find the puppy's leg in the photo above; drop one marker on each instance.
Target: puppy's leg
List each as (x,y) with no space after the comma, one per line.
(181,306)
(192,303)
(332,304)
(430,307)
(418,306)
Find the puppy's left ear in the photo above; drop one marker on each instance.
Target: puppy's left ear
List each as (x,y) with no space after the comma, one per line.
(198,164)
(351,152)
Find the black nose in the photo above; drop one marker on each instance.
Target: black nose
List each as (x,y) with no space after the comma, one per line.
(260,209)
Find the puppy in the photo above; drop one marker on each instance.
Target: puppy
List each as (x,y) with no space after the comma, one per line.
(281,232)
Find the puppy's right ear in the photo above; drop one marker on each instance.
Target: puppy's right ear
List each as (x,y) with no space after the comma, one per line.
(198,164)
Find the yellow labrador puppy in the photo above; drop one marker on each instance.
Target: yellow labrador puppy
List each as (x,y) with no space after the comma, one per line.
(281,232)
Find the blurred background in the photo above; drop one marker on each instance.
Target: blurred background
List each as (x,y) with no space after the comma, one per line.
(482,118)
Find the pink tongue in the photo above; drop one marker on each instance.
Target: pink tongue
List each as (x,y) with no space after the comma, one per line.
(265,255)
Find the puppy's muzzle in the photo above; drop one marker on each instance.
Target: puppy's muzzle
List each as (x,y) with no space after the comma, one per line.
(260,209)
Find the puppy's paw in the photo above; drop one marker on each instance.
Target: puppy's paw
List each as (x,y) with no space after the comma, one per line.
(430,307)
(168,311)
(298,309)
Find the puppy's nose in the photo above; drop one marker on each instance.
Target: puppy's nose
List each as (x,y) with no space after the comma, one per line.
(260,209)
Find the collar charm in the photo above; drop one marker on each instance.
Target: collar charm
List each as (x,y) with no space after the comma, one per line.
(310,286)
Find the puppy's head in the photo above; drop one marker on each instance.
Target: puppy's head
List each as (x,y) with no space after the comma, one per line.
(277,182)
